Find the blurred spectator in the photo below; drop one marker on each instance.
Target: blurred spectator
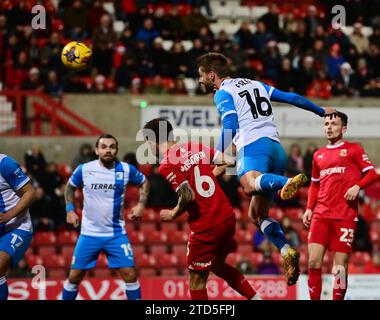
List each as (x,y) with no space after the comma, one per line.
(344,84)
(103,41)
(193,22)
(290,233)
(142,53)
(271,20)
(75,18)
(94,15)
(339,39)
(372,88)
(179,87)
(130,157)
(244,36)
(136,86)
(374,38)
(34,81)
(246,71)
(362,75)
(245,266)
(286,77)
(334,61)
(306,74)
(358,39)
(373,266)
(373,59)
(147,33)
(178,60)
(196,51)
(261,37)
(267,266)
(300,39)
(160,58)
(271,61)
(312,21)
(362,240)
(295,160)
(22,270)
(174,24)
(35,162)
(230,185)
(99,84)
(85,154)
(308,159)
(125,73)
(74,84)
(161,194)
(40,213)
(53,86)
(156,86)
(52,51)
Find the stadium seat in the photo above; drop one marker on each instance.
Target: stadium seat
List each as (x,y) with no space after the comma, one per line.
(33,260)
(178,236)
(294,213)
(167,260)
(57,274)
(276,257)
(233,258)
(129,226)
(242,12)
(138,249)
(168,227)
(148,226)
(46,251)
(67,252)
(244,249)
(169,272)
(276,213)
(54,261)
(151,215)
(44,238)
(67,237)
(156,237)
(375,231)
(255,257)
(136,237)
(243,236)
(360,258)
(158,249)
(145,261)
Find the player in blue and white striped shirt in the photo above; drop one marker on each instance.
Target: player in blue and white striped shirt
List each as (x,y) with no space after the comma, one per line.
(16,196)
(103,228)
(247,114)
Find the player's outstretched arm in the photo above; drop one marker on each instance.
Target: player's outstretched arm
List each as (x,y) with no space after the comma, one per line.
(370,177)
(71,216)
(300,102)
(26,195)
(138,210)
(185,196)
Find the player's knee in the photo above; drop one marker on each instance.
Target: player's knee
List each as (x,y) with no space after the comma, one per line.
(129,274)
(197,281)
(75,278)
(315,263)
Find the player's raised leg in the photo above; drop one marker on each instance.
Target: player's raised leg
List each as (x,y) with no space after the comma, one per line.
(316,253)
(198,281)
(340,272)
(258,212)
(71,285)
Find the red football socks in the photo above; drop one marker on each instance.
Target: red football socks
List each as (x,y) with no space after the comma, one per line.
(315,283)
(237,281)
(199,294)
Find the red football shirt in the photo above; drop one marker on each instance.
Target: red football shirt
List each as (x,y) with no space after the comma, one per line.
(192,163)
(338,168)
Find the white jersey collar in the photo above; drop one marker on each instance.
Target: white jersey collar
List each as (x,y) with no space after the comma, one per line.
(333,146)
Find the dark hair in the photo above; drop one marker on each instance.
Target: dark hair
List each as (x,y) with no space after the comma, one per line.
(106,136)
(216,62)
(161,128)
(340,115)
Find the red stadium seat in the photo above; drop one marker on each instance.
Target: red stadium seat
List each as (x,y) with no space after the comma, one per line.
(167,260)
(148,227)
(244,249)
(55,261)
(138,249)
(44,238)
(46,251)
(67,237)
(233,258)
(155,237)
(255,257)
(169,272)
(360,258)
(33,260)
(168,227)
(145,260)
(294,213)
(136,237)
(57,274)
(151,215)
(276,257)
(178,236)
(129,226)
(276,213)
(158,249)
(243,236)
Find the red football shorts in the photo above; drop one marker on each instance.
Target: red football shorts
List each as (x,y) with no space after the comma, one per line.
(204,247)
(334,235)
